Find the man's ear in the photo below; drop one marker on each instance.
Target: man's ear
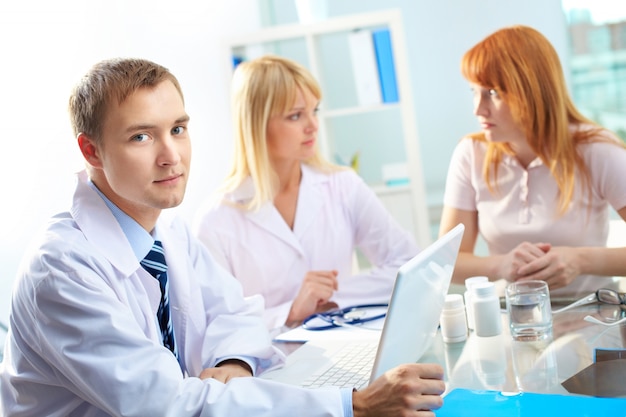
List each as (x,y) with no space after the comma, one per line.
(89,149)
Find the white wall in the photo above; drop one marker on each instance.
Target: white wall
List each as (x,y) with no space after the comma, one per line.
(438,34)
(47,45)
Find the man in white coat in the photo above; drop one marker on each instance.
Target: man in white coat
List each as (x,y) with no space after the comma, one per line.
(93,333)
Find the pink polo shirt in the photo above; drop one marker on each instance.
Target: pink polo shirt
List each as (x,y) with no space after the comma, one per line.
(524,205)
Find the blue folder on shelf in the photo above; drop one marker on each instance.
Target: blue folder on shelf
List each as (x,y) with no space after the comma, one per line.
(386,66)
(465,403)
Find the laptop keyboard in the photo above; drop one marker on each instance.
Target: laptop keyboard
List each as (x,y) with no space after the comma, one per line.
(352,368)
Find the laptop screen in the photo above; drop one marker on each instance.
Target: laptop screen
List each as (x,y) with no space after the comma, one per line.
(416,302)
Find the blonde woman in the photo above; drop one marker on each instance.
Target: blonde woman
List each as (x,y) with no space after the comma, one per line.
(287,222)
(537,182)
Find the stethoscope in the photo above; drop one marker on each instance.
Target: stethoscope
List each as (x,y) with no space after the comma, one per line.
(344,317)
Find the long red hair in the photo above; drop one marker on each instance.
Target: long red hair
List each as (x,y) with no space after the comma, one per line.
(524,68)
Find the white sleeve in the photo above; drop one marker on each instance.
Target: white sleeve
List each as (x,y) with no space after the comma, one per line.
(459,191)
(607,167)
(203,230)
(73,327)
(382,240)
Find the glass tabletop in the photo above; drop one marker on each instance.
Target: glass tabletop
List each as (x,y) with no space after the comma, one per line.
(502,364)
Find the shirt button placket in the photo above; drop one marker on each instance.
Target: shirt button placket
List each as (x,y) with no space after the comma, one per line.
(524,213)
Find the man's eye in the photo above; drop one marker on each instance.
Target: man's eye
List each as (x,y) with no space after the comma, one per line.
(142,137)
(178,130)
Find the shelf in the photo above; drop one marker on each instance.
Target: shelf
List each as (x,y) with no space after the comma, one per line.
(349,111)
(383,134)
(382,189)
(337,24)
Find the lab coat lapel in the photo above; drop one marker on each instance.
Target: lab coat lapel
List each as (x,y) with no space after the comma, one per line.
(100,227)
(177,257)
(310,199)
(267,217)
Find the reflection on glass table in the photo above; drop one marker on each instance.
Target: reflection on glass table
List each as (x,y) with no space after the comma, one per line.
(502,364)
(3,333)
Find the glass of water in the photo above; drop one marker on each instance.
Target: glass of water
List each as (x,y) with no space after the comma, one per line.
(530,313)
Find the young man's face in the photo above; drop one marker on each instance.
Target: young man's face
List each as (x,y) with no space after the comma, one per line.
(142,162)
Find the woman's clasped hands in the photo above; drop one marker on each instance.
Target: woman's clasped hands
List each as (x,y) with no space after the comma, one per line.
(556,265)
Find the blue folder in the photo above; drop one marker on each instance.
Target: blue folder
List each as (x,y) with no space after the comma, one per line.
(386,66)
(465,403)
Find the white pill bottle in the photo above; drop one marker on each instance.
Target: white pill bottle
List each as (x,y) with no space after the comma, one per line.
(453,321)
(486,309)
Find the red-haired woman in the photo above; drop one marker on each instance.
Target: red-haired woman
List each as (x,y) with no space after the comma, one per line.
(538,180)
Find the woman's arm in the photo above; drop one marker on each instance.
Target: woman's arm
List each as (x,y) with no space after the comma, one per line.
(562,264)
(605,261)
(467,264)
(383,241)
(494,267)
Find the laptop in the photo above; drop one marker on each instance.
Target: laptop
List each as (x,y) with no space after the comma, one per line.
(409,328)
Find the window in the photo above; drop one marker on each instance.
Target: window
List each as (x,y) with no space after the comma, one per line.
(597,31)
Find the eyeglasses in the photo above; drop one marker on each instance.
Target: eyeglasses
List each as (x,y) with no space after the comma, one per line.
(603,295)
(607,296)
(612,299)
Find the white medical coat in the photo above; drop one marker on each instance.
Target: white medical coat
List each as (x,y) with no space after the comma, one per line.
(335,214)
(84,340)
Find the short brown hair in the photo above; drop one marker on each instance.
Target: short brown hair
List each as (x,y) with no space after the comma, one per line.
(108,80)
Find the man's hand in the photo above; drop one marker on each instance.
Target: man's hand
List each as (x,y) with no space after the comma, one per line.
(407,390)
(227,370)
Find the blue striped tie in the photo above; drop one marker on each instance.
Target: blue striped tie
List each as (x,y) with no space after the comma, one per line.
(154,263)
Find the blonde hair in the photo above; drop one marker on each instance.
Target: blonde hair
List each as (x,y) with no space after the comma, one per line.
(262,88)
(524,68)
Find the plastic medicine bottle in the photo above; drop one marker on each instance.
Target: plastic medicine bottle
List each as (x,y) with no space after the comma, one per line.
(486,306)
(469,282)
(453,323)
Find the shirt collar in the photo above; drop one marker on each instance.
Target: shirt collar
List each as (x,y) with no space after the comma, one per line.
(140,240)
(512,160)
(245,191)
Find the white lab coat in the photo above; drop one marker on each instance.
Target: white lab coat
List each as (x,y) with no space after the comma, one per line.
(84,341)
(335,213)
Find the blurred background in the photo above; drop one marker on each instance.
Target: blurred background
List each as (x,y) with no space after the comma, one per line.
(45,47)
